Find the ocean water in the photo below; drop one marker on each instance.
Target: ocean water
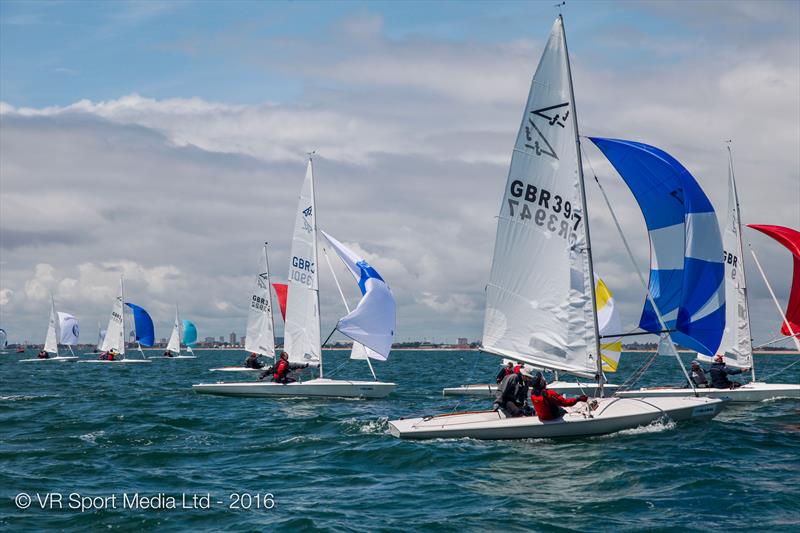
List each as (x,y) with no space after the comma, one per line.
(86,431)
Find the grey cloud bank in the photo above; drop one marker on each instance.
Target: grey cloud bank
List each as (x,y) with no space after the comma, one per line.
(414,138)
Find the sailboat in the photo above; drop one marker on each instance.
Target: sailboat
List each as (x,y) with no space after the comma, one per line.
(260,336)
(736,344)
(302,340)
(114,339)
(54,336)
(608,321)
(540,297)
(176,337)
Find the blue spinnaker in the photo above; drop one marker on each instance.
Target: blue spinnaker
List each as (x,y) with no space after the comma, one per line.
(189,333)
(143,325)
(686,260)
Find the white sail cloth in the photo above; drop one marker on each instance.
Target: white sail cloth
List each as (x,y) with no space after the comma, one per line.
(260,337)
(302,331)
(736,342)
(68,328)
(538,299)
(51,340)
(115,331)
(372,322)
(174,344)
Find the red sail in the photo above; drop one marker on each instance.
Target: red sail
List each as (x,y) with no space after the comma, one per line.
(790,239)
(280,290)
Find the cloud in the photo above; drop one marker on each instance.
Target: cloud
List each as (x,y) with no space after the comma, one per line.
(414,137)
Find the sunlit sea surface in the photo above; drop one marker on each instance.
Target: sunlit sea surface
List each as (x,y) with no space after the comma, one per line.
(331,465)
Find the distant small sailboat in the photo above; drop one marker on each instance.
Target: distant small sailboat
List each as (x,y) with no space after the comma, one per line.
(114,339)
(62,328)
(179,334)
(260,336)
(302,338)
(736,343)
(540,299)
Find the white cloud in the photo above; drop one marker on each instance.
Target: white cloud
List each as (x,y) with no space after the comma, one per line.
(414,137)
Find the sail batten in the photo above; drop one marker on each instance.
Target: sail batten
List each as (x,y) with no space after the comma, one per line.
(539,294)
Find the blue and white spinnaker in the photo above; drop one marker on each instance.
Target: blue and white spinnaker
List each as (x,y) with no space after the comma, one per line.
(372,322)
(686,261)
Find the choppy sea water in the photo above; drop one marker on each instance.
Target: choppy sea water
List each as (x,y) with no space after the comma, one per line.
(331,465)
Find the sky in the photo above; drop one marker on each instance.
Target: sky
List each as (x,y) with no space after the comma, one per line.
(167,141)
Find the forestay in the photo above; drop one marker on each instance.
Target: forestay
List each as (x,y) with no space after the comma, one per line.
(736,344)
(686,270)
(68,328)
(538,299)
(260,337)
(371,324)
(301,334)
(114,338)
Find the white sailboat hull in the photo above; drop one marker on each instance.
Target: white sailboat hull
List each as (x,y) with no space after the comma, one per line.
(235,369)
(611,415)
(173,357)
(751,392)
(116,361)
(317,388)
(64,359)
(488,390)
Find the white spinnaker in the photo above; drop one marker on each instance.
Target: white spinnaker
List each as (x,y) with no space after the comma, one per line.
(260,337)
(51,341)
(115,331)
(736,344)
(68,329)
(359,351)
(538,299)
(174,344)
(302,330)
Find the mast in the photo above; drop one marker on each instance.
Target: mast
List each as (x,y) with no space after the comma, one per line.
(314,248)
(269,295)
(598,358)
(741,248)
(122,314)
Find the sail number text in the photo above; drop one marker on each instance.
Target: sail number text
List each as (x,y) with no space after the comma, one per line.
(260,303)
(302,271)
(545,209)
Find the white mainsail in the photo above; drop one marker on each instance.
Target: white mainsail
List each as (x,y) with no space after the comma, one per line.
(302,331)
(260,337)
(51,341)
(115,331)
(174,344)
(736,342)
(539,295)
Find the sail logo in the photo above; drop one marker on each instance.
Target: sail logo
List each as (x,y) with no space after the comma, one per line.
(306,215)
(555,117)
(262,280)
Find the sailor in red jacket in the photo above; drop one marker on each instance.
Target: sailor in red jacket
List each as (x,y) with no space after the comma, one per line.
(516,368)
(549,404)
(282,370)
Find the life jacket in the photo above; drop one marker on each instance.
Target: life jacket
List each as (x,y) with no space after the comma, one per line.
(280,370)
(547,402)
(516,369)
